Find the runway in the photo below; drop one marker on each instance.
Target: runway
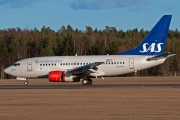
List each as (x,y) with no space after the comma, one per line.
(114,98)
(99,86)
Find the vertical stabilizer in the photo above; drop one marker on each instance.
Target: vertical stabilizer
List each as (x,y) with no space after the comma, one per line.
(154,42)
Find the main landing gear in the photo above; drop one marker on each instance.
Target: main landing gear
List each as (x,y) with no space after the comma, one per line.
(25,82)
(87,81)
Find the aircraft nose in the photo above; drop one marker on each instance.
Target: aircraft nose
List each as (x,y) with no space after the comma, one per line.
(7,70)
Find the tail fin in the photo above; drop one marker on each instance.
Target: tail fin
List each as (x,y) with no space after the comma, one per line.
(154,42)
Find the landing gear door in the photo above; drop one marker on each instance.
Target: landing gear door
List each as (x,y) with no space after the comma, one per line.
(131,63)
(29,65)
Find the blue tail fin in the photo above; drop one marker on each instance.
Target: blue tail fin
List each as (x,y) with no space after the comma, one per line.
(154,42)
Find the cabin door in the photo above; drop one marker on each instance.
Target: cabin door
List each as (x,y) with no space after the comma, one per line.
(29,65)
(131,63)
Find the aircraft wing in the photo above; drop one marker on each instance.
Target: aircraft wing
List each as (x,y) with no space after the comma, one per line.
(87,69)
(165,55)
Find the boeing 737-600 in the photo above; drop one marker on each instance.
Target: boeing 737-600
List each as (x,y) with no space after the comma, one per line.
(149,53)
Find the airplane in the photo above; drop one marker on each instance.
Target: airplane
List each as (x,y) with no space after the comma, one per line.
(149,53)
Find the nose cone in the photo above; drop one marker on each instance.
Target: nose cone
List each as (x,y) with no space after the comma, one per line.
(7,70)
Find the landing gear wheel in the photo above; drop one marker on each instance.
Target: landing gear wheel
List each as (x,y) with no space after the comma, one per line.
(87,82)
(90,82)
(25,82)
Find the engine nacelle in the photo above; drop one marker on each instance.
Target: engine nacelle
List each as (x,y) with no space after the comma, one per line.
(60,76)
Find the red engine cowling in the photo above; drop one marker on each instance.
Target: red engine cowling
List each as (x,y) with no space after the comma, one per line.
(60,76)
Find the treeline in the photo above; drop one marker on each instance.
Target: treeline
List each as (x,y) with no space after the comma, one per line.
(17,43)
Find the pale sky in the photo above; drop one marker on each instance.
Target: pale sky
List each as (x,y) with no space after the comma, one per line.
(122,14)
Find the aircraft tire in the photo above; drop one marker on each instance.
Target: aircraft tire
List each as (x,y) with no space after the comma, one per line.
(25,82)
(90,82)
(85,82)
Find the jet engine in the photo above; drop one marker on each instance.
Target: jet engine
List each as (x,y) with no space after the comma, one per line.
(60,76)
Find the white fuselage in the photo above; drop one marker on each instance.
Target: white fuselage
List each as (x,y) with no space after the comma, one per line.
(113,65)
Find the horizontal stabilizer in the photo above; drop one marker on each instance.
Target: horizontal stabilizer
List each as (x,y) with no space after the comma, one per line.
(165,55)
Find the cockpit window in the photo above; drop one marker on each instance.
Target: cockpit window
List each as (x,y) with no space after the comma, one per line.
(16,64)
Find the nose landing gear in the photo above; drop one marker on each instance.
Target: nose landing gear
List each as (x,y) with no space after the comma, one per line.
(25,82)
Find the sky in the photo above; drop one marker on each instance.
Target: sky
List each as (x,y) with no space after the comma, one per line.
(122,14)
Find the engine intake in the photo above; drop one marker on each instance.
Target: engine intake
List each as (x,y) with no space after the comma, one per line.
(60,76)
